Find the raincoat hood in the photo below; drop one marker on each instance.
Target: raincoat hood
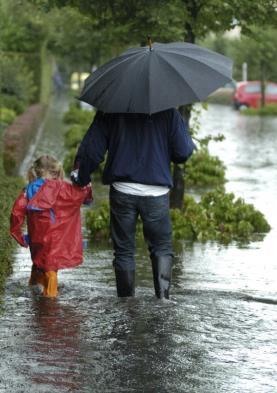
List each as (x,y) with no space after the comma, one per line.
(33,187)
(42,194)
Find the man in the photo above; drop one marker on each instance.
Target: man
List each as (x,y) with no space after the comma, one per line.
(140,148)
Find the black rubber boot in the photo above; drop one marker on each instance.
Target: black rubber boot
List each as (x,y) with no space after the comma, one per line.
(125,282)
(161,267)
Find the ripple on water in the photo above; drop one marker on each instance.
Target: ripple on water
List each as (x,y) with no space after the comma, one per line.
(200,340)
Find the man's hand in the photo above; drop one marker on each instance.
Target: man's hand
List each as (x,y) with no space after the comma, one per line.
(74,177)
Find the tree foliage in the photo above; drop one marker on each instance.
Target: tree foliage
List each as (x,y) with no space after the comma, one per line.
(23,33)
(132,20)
(22,27)
(73,38)
(16,79)
(204,16)
(259,51)
(94,31)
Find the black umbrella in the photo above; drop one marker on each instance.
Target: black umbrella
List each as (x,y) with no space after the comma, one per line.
(157,77)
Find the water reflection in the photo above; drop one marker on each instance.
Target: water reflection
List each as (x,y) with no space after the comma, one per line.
(143,346)
(55,338)
(140,348)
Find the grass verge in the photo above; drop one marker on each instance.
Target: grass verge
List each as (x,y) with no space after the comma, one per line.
(268,110)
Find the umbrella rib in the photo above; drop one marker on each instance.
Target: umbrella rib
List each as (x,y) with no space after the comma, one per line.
(149,82)
(178,72)
(93,81)
(198,61)
(115,92)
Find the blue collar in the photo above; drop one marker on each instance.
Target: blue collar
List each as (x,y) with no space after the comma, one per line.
(33,187)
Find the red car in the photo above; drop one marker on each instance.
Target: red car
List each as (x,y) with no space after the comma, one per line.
(249,94)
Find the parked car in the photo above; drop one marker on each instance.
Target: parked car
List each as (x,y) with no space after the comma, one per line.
(248,94)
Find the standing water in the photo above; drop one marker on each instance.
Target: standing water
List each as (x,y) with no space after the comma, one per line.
(216,334)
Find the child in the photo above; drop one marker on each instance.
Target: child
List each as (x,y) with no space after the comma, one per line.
(52,207)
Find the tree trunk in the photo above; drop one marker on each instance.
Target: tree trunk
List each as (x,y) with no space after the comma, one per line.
(263,84)
(178,190)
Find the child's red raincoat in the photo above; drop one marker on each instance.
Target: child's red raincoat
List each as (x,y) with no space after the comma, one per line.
(54,224)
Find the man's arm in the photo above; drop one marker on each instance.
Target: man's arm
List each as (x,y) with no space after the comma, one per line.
(181,144)
(91,151)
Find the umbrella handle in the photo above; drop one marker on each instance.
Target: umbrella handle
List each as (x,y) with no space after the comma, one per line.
(149,42)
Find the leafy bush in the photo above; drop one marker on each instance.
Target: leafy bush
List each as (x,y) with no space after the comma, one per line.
(98,221)
(204,170)
(13,103)
(7,116)
(68,160)
(79,120)
(77,115)
(218,216)
(74,135)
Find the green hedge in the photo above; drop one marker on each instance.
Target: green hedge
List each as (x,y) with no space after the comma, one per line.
(13,103)
(74,135)
(9,189)
(7,116)
(268,110)
(76,115)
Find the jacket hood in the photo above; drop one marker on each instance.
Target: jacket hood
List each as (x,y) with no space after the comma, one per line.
(33,187)
(45,196)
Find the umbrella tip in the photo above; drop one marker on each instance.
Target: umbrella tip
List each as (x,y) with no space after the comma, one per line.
(149,42)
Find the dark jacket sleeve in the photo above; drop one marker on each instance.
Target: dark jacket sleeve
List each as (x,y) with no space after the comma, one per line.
(181,144)
(92,149)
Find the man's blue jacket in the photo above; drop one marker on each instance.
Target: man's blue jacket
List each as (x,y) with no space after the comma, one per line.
(140,147)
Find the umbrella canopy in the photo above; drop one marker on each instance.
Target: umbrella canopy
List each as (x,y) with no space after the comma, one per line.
(157,77)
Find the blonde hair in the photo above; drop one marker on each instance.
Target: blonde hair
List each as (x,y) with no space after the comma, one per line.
(46,167)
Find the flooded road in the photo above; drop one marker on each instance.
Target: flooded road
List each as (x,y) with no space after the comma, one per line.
(216,334)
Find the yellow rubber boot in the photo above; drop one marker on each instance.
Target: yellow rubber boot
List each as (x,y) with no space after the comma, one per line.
(50,284)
